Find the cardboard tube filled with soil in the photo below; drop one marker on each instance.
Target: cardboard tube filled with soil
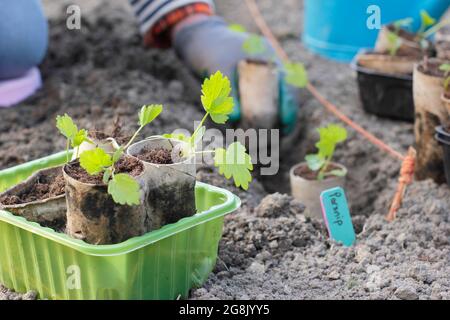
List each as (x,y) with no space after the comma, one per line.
(92,214)
(307,189)
(430,112)
(396,65)
(40,198)
(410,46)
(170,180)
(259,94)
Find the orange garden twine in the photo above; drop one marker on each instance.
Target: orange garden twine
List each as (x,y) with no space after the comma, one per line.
(408,161)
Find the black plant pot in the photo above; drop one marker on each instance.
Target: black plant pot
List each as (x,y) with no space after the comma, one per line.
(443,137)
(385,95)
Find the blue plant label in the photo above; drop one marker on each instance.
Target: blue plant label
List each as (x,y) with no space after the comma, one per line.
(337,216)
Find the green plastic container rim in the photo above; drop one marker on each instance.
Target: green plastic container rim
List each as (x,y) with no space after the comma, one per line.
(232,203)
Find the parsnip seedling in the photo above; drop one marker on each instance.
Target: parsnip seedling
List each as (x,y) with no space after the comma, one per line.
(69,129)
(233,162)
(330,136)
(123,188)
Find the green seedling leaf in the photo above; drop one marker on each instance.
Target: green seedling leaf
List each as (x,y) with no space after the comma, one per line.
(124,189)
(95,161)
(80,137)
(395,42)
(446,83)
(66,126)
(216,98)
(445,67)
(149,113)
(427,20)
(296,74)
(254,45)
(236,163)
(237,28)
(315,161)
(329,137)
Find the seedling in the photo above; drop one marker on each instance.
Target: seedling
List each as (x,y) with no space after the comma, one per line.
(427,21)
(233,162)
(428,27)
(123,188)
(330,136)
(69,129)
(446,68)
(294,73)
(395,42)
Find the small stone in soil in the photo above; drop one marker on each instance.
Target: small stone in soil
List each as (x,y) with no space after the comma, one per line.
(156,156)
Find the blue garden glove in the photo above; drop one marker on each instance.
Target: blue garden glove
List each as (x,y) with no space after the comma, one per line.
(209,45)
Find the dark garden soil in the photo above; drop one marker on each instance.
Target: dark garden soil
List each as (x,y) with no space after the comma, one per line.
(116,132)
(308,174)
(128,165)
(269,249)
(44,188)
(156,156)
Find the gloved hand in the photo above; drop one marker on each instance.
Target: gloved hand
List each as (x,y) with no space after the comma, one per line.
(209,45)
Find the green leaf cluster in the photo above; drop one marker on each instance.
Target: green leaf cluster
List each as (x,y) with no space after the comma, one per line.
(234,162)
(296,74)
(123,188)
(330,136)
(69,129)
(217,102)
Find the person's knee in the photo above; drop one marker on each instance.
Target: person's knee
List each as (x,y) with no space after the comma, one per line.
(23,37)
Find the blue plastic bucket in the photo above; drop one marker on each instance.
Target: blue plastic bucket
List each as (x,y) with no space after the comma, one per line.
(338,29)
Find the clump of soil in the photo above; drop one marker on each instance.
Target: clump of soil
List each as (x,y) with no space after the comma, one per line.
(156,156)
(308,174)
(46,187)
(128,165)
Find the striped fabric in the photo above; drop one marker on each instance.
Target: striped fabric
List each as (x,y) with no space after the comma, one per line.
(149,12)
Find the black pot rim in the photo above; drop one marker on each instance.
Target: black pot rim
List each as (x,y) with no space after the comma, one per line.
(356,67)
(441,141)
(442,135)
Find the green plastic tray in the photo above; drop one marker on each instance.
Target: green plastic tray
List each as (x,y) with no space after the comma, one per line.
(163,264)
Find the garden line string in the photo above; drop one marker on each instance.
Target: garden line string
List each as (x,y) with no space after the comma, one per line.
(408,161)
